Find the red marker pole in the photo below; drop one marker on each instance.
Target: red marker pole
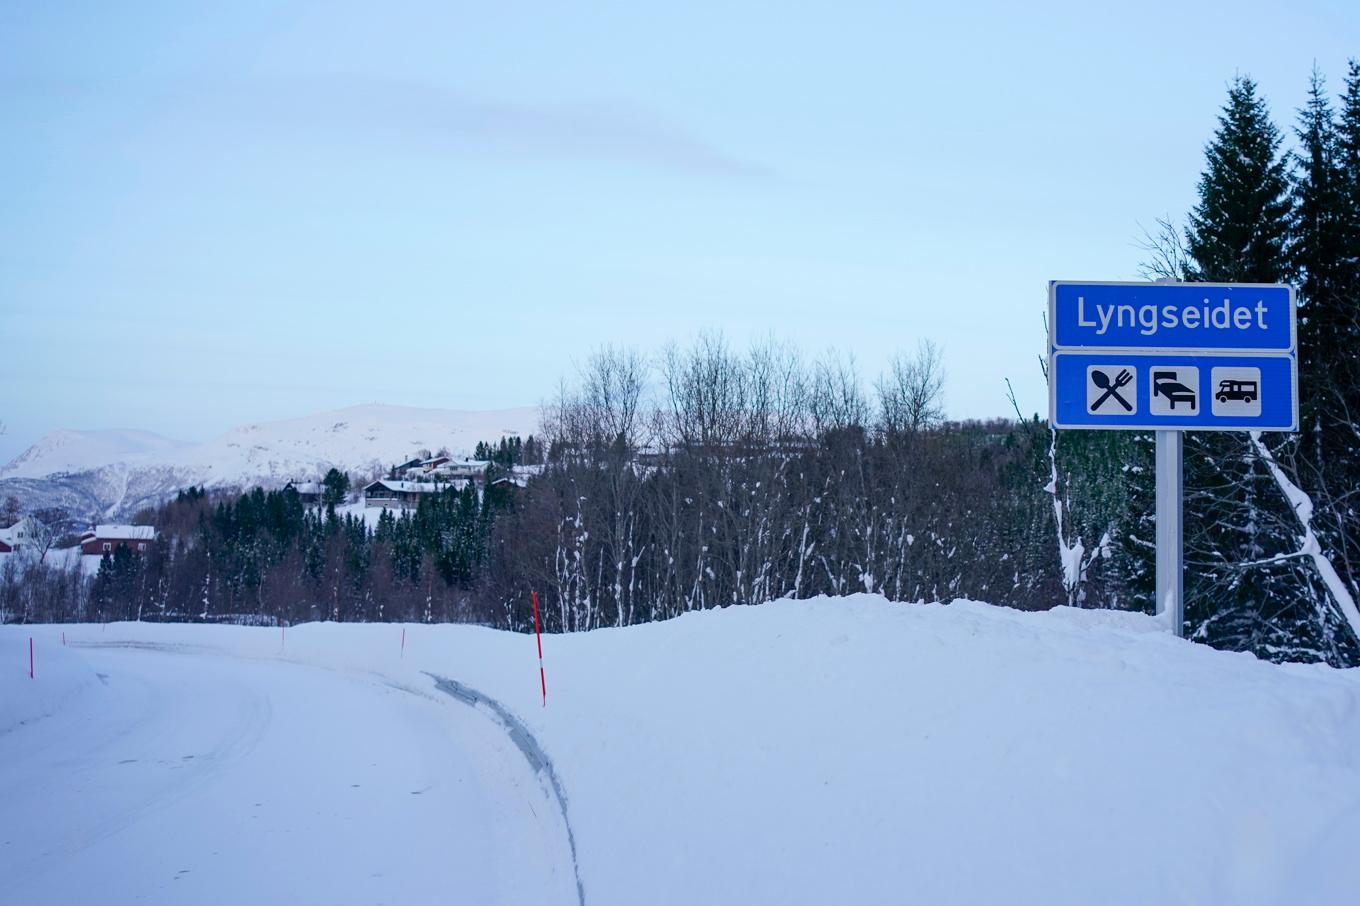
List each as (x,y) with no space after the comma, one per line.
(542,678)
(30,657)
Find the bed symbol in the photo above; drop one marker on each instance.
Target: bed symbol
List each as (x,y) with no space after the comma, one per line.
(1168,384)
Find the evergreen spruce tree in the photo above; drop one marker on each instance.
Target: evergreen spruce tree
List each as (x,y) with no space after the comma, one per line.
(1346,317)
(1238,230)
(1326,246)
(1319,233)
(1243,590)
(336,485)
(1334,436)
(1348,160)
(1238,233)
(1318,252)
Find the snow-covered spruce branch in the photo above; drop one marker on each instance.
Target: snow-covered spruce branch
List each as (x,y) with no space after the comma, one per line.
(1302,505)
(1073,559)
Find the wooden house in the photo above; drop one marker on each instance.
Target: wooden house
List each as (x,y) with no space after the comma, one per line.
(105,539)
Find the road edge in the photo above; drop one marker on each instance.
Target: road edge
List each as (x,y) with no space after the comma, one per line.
(528,746)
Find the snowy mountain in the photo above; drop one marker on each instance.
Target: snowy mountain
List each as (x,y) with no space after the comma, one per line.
(78,451)
(112,474)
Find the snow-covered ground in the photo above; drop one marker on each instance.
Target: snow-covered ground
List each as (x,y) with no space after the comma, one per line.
(58,557)
(368,514)
(826,751)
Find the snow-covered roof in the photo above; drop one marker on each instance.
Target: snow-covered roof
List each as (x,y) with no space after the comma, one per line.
(410,487)
(466,465)
(306,487)
(116,532)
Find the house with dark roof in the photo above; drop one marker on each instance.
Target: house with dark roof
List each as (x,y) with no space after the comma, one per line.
(386,492)
(309,492)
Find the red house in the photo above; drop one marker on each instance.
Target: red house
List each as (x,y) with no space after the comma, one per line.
(105,539)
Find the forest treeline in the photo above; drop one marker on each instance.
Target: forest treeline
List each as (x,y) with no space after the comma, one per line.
(711,475)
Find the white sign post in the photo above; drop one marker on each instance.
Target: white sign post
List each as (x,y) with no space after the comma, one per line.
(1170,524)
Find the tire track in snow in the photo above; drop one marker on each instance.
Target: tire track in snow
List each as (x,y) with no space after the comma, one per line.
(513,727)
(528,746)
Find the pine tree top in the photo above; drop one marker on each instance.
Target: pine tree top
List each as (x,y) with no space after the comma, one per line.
(1238,230)
(1319,205)
(1348,128)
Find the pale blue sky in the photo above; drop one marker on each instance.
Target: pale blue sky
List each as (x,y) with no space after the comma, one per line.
(259,210)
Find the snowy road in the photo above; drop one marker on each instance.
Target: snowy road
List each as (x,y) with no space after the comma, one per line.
(192,777)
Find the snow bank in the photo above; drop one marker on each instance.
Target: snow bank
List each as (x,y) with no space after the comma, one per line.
(853,750)
(60,674)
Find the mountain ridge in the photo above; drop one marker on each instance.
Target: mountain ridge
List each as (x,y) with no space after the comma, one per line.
(110,474)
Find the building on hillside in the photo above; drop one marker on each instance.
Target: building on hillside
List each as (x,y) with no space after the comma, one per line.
(309,492)
(105,539)
(386,492)
(508,483)
(424,468)
(19,536)
(442,468)
(522,473)
(470,469)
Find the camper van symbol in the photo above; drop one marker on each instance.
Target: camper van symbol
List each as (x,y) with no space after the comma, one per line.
(1237,390)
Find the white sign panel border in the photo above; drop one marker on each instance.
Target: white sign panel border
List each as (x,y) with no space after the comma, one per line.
(1177,350)
(1169,425)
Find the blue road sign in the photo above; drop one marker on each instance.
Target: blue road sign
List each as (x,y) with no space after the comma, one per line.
(1172,356)
(1163,391)
(1237,317)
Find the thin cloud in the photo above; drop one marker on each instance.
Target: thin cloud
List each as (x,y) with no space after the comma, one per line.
(424,118)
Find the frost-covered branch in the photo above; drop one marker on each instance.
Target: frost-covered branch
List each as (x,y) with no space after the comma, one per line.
(1302,506)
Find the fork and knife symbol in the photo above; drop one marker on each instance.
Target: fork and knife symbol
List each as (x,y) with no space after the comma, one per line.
(1102,380)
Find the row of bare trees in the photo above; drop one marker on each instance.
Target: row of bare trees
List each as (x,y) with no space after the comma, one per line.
(710,476)
(714,397)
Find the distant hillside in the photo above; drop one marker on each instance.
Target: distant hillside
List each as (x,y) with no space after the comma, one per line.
(78,451)
(112,474)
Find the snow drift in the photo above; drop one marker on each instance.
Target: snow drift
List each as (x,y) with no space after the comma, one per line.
(65,676)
